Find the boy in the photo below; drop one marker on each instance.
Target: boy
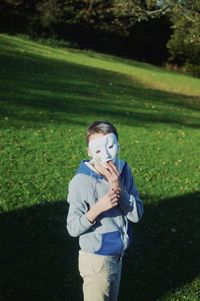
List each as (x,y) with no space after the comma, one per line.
(103,200)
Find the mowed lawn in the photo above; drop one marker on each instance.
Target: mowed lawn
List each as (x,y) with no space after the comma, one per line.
(48,97)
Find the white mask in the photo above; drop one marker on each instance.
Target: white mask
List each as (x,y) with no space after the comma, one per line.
(104,149)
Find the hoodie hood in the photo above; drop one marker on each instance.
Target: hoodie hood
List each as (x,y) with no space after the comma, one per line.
(86,170)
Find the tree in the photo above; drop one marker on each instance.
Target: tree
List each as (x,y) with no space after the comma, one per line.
(10,12)
(184,44)
(106,24)
(49,15)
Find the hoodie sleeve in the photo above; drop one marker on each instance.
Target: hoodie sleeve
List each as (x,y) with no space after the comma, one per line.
(77,222)
(130,202)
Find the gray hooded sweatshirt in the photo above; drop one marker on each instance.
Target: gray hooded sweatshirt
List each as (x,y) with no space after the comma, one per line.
(111,233)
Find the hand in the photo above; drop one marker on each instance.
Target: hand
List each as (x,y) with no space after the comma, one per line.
(108,201)
(112,175)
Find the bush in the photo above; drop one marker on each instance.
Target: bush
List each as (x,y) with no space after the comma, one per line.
(184,45)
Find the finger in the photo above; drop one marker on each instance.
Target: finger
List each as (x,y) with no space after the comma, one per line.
(99,167)
(113,175)
(115,203)
(114,197)
(109,168)
(118,193)
(111,193)
(108,172)
(113,167)
(108,175)
(111,172)
(106,169)
(114,200)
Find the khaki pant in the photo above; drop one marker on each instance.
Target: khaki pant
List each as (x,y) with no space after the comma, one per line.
(101,276)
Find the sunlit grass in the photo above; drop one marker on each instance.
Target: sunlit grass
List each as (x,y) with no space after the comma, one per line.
(48,97)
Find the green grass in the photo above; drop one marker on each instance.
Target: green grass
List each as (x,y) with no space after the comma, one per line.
(48,97)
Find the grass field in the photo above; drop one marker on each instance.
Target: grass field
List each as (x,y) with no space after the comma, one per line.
(48,97)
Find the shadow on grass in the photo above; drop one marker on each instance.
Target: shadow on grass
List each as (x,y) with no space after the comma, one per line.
(39,259)
(166,251)
(36,89)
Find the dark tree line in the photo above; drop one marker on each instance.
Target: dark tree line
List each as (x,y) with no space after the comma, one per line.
(155,31)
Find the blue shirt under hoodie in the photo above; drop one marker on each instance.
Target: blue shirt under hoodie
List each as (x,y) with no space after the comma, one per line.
(110,234)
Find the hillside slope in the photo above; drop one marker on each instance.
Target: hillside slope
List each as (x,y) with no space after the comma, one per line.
(48,97)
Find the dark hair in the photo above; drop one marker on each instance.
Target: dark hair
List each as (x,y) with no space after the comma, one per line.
(100,126)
